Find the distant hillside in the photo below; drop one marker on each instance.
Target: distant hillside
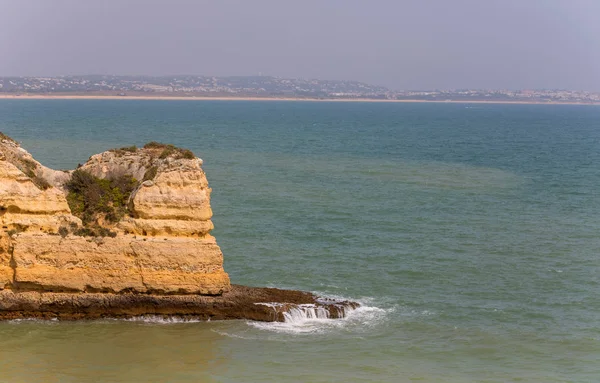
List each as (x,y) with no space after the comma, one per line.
(261,86)
(268,87)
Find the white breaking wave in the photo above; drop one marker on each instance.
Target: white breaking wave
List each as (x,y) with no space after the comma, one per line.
(162,320)
(315,319)
(305,312)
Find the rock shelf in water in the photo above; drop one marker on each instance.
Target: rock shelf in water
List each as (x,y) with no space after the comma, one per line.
(240,302)
(126,234)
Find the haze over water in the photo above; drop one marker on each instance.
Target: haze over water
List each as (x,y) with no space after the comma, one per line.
(470,234)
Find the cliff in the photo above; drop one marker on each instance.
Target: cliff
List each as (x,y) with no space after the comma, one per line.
(127,233)
(161,244)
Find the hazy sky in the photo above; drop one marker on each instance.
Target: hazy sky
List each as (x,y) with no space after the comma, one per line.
(413,44)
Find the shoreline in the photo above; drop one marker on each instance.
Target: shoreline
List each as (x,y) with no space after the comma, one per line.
(234,98)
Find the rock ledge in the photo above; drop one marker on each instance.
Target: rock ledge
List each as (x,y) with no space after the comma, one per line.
(240,302)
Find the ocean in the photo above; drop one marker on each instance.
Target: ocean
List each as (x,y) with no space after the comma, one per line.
(470,234)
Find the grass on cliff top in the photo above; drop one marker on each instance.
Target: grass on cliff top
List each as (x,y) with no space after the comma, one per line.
(123,150)
(5,137)
(167,150)
(170,150)
(95,199)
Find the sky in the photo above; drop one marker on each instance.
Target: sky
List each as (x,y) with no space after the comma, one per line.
(412,44)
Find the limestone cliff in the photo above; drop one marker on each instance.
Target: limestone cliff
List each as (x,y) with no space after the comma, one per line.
(162,245)
(125,234)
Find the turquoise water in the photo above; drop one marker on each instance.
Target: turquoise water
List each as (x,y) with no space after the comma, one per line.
(471,234)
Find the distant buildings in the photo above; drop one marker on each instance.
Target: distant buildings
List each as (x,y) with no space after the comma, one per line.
(266,86)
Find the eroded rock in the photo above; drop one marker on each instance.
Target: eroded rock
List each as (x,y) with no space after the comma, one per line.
(162,246)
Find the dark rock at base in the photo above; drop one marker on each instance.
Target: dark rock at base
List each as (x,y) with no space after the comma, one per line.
(241,302)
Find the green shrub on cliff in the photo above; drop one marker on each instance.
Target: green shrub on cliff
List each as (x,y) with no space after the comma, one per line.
(124,150)
(41,183)
(170,150)
(150,173)
(187,154)
(91,198)
(7,138)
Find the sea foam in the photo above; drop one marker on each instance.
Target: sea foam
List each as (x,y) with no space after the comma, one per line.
(314,319)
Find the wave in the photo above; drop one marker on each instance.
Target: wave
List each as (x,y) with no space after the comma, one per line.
(314,319)
(160,319)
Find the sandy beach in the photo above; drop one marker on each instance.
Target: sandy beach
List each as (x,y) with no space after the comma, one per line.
(235,98)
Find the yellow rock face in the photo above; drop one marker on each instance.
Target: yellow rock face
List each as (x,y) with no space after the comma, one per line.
(175,203)
(24,205)
(166,227)
(6,272)
(163,248)
(181,194)
(120,264)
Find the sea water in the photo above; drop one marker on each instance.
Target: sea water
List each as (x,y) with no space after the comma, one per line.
(470,234)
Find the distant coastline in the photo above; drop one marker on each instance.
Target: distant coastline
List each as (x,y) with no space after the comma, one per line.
(37,96)
(268,88)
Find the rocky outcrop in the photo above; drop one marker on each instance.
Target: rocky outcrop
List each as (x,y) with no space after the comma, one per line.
(90,251)
(161,246)
(239,302)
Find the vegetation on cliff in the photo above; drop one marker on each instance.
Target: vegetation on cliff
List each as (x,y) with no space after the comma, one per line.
(29,168)
(99,192)
(7,138)
(150,173)
(96,200)
(26,165)
(165,150)
(170,150)
(61,240)
(123,150)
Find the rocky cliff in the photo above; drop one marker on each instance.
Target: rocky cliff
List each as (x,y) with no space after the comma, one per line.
(161,244)
(125,234)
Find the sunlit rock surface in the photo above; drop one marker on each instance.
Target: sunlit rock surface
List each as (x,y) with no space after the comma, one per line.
(162,246)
